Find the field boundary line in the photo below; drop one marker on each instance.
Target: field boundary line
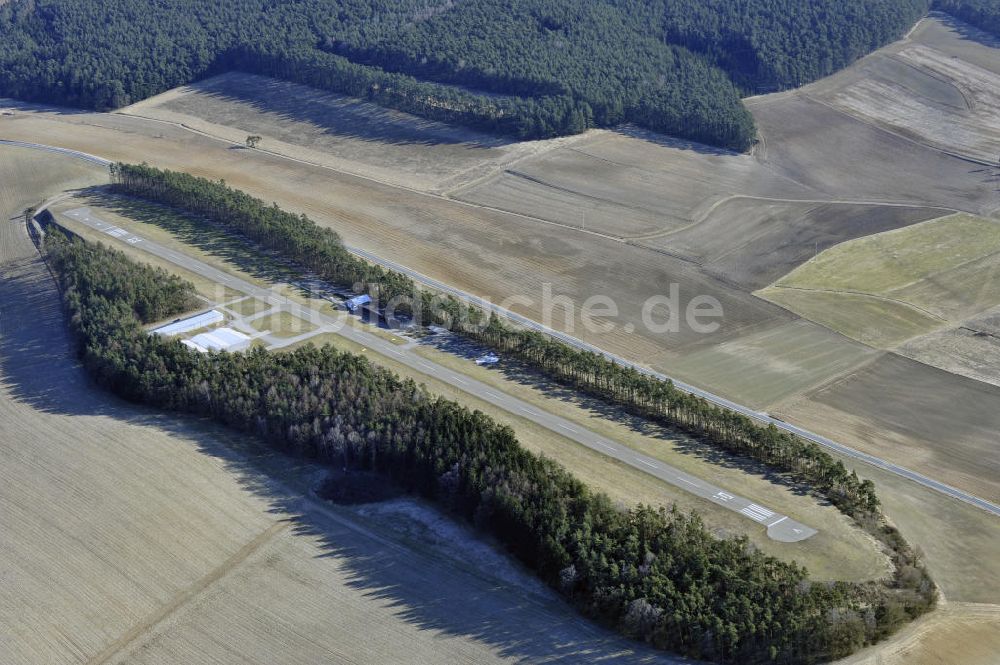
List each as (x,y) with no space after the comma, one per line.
(703,217)
(378,181)
(874,125)
(861,294)
(189,594)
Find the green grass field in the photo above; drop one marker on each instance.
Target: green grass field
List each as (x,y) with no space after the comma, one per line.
(890,287)
(766,367)
(283,324)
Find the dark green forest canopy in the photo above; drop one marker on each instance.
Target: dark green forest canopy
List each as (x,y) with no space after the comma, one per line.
(525,68)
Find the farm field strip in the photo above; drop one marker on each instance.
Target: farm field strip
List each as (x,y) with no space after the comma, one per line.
(783,530)
(889,287)
(957,119)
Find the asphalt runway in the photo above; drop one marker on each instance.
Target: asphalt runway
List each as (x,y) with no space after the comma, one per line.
(779,527)
(877,462)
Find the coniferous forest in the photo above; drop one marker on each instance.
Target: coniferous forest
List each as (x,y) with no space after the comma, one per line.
(654,574)
(525,68)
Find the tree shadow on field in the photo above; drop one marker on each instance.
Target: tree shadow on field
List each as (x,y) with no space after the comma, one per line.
(259,263)
(666,141)
(424,583)
(421,583)
(336,116)
(680,441)
(37,357)
(966,31)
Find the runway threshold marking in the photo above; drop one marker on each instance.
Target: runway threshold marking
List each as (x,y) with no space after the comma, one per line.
(757,513)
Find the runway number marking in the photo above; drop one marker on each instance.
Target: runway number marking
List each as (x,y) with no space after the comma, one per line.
(722,496)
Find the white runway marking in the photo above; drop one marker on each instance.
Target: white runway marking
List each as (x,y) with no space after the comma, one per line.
(649,464)
(723,496)
(568,428)
(758,513)
(776,522)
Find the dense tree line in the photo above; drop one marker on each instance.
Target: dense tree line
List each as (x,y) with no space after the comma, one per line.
(984,14)
(662,401)
(312,247)
(654,574)
(527,68)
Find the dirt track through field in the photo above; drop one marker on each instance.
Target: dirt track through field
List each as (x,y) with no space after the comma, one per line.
(189,594)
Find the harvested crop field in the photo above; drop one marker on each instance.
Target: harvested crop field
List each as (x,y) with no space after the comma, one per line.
(627,184)
(957,633)
(754,241)
(763,368)
(129,536)
(843,157)
(959,40)
(971,348)
(925,95)
(336,131)
(940,424)
(873,320)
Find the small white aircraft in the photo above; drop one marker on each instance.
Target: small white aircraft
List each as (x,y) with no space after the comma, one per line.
(488,359)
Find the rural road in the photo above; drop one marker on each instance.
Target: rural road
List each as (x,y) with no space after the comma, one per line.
(779,527)
(851,453)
